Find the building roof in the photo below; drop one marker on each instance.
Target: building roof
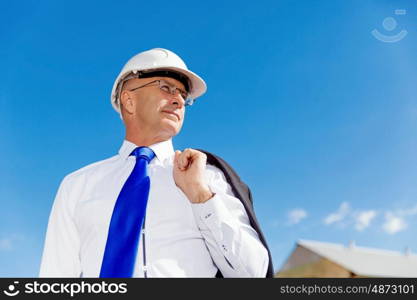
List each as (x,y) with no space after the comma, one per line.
(366,261)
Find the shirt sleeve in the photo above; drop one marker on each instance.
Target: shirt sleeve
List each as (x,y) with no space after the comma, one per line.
(61,250)
(233,244)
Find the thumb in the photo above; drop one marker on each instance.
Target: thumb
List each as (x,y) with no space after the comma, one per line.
(177,154)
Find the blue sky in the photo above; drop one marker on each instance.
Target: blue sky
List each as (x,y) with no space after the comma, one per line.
(317,115)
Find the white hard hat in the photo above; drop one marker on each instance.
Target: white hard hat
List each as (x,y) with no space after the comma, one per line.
(154,60)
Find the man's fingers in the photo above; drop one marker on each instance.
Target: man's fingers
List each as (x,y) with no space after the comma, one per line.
(180,159)
(177,159)
(187,157)
(183,159)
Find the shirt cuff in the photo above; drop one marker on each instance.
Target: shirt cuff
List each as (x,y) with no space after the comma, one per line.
(211,214)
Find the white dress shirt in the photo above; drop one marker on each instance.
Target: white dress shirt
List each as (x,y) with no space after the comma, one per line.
(181,239)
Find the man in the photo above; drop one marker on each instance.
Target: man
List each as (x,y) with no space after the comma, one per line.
(150,211)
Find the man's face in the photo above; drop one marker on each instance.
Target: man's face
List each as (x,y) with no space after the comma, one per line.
(153,110)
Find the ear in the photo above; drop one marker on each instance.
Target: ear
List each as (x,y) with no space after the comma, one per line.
(128,105)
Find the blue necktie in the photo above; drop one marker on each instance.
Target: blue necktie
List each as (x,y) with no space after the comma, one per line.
(126,221)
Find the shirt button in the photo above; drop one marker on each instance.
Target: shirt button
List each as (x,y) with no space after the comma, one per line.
(207,216)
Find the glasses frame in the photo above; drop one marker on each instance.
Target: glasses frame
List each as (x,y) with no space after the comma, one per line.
(188,101)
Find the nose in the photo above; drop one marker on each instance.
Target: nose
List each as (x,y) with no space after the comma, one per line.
(177,100)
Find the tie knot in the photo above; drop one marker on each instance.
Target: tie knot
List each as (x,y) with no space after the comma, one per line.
(143,152)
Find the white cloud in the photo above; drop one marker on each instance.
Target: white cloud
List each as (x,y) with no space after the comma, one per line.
(364,218)
(339,215)
(393,223)
(5,244)
(8,242)
(296,215)
(408,212)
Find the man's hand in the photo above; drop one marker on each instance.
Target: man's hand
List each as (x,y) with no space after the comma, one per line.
(189,168)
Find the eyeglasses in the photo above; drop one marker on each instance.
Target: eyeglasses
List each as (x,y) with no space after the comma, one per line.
(168,88)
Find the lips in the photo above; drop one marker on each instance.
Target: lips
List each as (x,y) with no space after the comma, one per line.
(172,113)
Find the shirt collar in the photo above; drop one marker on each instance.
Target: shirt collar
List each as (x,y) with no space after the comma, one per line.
(162,150)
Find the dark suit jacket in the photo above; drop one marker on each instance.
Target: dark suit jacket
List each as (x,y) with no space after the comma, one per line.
(243,193)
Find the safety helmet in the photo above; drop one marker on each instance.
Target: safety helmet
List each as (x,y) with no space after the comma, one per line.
(154,60)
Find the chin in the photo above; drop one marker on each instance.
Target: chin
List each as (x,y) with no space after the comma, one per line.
(171,129)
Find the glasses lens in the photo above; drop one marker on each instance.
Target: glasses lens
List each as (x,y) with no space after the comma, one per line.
(183,94)
(163,85)
(169,88)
